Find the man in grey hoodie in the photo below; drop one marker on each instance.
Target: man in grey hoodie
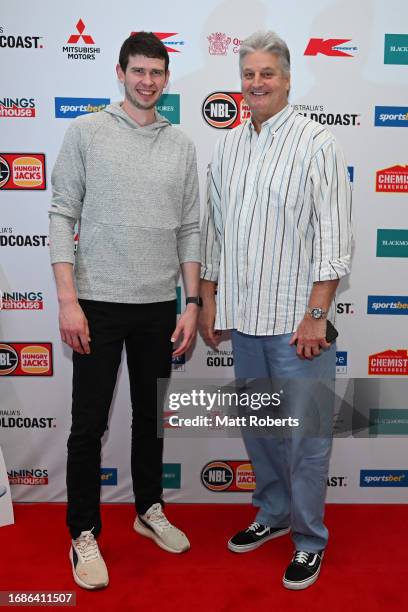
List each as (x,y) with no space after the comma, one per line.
(130,180)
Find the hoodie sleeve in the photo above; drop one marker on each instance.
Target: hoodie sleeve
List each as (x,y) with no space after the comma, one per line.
(188,236)
(68,190)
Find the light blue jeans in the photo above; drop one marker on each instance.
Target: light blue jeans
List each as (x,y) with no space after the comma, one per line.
(291,470)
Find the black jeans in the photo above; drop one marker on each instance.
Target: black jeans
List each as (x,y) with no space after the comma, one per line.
(146,330)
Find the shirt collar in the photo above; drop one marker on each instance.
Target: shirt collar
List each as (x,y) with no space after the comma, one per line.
(276,120)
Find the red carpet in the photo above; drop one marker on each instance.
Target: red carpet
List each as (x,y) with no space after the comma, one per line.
(364,567)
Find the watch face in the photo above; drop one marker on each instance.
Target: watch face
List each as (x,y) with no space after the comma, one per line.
(316,313)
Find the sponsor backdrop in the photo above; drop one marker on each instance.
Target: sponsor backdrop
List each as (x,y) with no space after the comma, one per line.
(350,73)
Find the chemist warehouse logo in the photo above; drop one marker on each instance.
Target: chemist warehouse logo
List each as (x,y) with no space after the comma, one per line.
(22,300)
(22,171)
(383,478)
(389,363)
(69,108)
(80,44)
(24,359)
(225,109)
(393,179)
(35,476)
(12,108)
(229,476)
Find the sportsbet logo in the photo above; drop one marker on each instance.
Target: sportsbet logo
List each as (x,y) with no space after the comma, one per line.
(387,304)
(383,478)
(228,476)
(68,108)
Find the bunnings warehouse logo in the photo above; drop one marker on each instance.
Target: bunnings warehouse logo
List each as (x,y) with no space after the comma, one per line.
(171,476)
(396,49)
(383,478)
(389,422)
(392,243)
(169,106)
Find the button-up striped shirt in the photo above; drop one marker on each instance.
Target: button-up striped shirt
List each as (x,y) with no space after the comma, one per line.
(277,220)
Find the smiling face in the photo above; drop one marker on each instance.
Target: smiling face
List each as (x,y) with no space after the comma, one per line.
(144,80)
(264,86)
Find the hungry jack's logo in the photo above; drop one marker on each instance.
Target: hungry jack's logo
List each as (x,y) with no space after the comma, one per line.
(22,171)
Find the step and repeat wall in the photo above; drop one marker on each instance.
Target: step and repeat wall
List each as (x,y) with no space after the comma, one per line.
(350,73)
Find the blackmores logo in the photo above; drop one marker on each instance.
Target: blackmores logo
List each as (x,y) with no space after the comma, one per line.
(74,52)
(18,300)
(225,110)
(335,47)
(24,359)
(393,179)
(19,41)
(22,171)
(171,45)
(34,476)
(231,476)
(17,107)
(389,363)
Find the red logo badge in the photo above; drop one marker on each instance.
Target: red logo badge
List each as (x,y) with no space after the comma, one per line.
(74,38)
(393,179)
(330,46)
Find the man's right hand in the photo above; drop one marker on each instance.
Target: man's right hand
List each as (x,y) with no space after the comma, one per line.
(74,327)
(206,323)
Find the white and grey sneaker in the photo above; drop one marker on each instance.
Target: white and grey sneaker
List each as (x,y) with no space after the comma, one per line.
(254,536)
(88,567)
(154,524)
(303,570)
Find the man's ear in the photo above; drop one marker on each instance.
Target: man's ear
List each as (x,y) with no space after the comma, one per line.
(120,73)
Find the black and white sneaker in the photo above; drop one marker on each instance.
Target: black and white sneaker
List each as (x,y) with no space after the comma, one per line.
(254,536)
(303,570)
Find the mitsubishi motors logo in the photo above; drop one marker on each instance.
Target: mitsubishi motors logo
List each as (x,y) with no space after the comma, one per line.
(335,47)
(74,38)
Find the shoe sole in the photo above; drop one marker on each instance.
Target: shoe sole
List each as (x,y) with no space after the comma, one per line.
(248,547)
(144,531)
(82,584)
(298,586)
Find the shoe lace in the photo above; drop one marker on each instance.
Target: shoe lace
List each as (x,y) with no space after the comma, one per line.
(87,546)
(254,526)
(301,556)
(158,518)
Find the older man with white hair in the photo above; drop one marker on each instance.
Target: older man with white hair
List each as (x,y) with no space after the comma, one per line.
(276,240)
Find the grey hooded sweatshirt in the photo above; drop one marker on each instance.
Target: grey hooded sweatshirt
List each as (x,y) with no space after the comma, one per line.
(134,192)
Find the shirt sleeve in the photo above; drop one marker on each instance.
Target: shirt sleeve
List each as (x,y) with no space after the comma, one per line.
(68,191)
(188,236)
(331,218)
(211,228)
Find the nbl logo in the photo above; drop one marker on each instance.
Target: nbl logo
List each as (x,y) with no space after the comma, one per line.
(225,110)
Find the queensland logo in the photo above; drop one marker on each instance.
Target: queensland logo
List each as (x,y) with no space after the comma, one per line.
(109,477)
(22,171)
(341,362)
(8,359)
(17,300)
(219,43)
(68,108)
(396,49)
(335,47)
(74,49)
(35,476)
(391,116)
(393,179)
(17,107)
(217,476)
(220,359)
(318,113)
(392,243)
(387,304)
(24,359)
(19,41)
(225,110)
(171,45)
(389,363)
(383,478)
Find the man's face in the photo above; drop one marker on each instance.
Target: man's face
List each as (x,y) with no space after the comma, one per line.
(144,80)
(264,86)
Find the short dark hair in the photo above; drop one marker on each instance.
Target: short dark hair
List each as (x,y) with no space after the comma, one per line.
(143,43)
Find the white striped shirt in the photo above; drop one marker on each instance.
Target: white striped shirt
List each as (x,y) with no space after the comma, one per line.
(277,220)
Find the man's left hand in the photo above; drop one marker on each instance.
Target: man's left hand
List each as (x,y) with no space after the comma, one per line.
(311,337)
(186,329)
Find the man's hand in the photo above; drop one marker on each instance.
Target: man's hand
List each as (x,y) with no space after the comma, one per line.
(311,337)
(206,323)
(186,328)
(74,327)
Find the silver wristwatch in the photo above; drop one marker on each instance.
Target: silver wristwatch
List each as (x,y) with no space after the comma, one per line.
(316,313)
